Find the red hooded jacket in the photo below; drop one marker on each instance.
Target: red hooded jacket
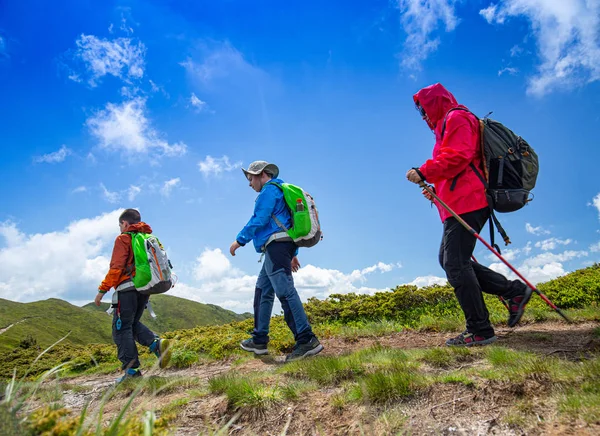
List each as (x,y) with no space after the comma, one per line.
(452,155)
(122,266)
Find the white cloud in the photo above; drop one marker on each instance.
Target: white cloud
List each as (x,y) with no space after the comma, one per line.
(54,157)
(216,166)
(552,243)
(566,33)
(220,62)
(197,104)
(212,265)
(11,234)
(510,254)
(168,186)
(489,13)
(536,230)
(133,192)
(312,281)
(120,57)
(424,281)
(79,189)
(64,264)
(111,197)
(515,51)
(542,267)
(421,19)
(125,128)
(595,248)
(596,203)
(508,70)
(219,282)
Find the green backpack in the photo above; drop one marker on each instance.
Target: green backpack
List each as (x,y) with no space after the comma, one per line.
(152,266)
(306,228)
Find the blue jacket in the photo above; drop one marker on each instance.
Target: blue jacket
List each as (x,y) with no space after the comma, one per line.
(261,226)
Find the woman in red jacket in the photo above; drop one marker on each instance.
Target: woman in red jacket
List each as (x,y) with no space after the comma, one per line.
(459,187)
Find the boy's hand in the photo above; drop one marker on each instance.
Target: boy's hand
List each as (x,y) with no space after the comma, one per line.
(295,264)
(234,247)
(98,298)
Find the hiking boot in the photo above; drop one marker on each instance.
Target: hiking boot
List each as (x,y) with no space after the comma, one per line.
(160,348)
(516,307)
(466,339)
(301,351)
(129,373)
(253,347)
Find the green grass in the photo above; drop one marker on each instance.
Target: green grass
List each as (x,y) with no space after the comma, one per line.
(182,358)
(246,393)
(445,357)
(292,391)
(384,386)
(456,378)
(326,370)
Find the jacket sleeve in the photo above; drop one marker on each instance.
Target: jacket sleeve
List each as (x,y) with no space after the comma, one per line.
(263,209)
(458,149)
(118,264)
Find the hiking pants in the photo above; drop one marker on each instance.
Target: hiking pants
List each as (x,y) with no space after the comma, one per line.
(275,278)
(468,278)
(130,309)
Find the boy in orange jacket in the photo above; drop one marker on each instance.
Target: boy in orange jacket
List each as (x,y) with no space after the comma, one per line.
(128,303)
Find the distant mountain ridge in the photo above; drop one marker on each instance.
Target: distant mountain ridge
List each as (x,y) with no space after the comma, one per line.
(47,321)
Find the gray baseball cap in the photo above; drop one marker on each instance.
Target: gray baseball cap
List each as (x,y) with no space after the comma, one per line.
(259,166)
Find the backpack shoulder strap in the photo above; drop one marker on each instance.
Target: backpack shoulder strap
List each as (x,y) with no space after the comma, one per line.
(277,221)
(452,110)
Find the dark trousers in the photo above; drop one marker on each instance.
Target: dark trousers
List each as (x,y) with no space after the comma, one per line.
(130,310)
(468,278)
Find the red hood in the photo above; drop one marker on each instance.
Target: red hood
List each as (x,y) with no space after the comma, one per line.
(436,101)
(140,227)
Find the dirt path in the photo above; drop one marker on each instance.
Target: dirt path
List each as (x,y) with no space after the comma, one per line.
(452,409)
(12,325)
(544,338)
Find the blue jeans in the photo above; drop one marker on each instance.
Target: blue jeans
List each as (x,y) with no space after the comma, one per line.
(275,278)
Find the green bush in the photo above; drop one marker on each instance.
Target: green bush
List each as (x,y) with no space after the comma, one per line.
(182,358)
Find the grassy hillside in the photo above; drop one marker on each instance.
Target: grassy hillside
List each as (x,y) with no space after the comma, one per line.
(174,313)
(49,320)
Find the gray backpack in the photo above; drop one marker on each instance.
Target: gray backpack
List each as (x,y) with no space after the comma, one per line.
(510,168)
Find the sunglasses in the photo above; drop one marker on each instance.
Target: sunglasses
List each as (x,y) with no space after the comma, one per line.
(420,110)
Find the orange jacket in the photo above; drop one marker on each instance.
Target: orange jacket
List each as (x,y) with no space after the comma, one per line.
(122,266)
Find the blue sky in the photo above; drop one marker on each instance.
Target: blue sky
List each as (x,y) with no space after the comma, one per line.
(157,104)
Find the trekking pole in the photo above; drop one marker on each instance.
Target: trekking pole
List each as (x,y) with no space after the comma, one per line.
(502,300)
(489,247)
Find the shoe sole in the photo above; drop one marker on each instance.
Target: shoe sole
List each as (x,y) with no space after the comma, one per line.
(522,310)
(474,344)
(254,350)
(165,354)
(312,352)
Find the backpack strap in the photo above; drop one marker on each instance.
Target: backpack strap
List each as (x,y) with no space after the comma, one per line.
(277,221)
(493,219)
(452,110)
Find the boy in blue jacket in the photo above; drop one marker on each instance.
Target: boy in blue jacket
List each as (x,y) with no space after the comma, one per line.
(275,277)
